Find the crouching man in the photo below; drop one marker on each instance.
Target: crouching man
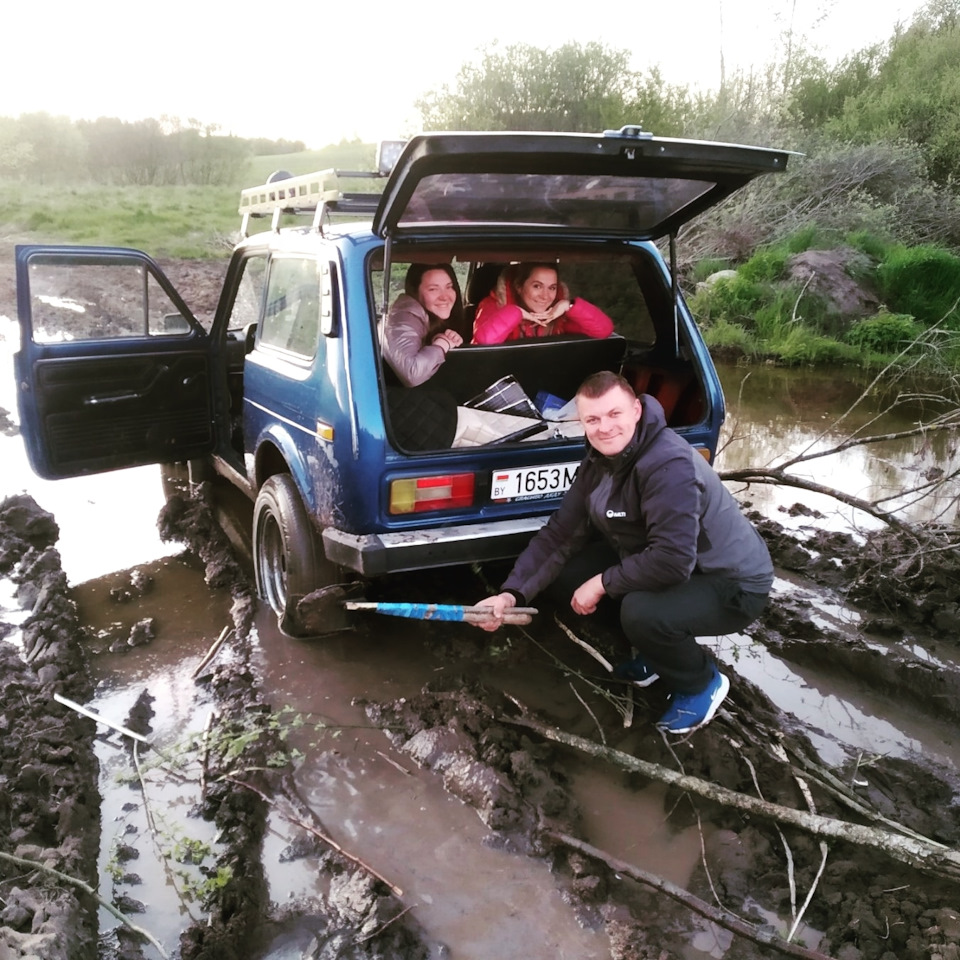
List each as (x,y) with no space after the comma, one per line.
(648,525)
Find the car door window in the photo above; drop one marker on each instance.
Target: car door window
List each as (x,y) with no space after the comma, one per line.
(291,318)
(86,300)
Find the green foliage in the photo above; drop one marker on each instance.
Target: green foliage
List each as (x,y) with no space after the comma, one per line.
(707,267)
(869,243)
(522,87)
(765,266)
(723,337)
(922,281)
(906,91)
(884,333)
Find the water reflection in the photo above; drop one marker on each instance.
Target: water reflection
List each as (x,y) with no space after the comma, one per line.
(774,414)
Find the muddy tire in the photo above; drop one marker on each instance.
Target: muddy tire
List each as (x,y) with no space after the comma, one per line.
(287,553)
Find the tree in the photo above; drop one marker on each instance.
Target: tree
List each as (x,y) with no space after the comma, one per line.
(522,87)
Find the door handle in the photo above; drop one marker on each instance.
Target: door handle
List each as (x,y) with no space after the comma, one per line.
(132,395)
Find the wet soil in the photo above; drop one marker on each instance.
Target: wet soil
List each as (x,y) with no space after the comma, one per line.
(469,734)
(474,737)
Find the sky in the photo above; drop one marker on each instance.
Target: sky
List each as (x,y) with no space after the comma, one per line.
(322,71)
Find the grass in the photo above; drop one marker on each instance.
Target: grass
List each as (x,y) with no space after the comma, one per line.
(193,222)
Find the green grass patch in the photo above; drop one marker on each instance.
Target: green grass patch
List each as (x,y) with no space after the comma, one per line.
(924,282)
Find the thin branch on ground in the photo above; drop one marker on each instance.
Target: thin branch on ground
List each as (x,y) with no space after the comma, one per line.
(927,855)
(86,888)
(718,916)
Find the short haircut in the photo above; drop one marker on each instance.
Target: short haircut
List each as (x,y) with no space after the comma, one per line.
(597,384)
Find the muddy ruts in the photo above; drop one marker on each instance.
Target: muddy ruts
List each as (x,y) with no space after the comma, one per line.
(49,802)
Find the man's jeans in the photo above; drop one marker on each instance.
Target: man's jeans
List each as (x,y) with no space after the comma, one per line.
(663,626)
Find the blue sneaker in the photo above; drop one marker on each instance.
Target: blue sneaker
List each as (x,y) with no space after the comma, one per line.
(637,672)
(690,711)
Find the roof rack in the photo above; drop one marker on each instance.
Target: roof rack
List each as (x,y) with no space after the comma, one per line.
(312,193)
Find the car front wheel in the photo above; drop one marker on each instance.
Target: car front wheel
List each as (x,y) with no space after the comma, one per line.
(288,556)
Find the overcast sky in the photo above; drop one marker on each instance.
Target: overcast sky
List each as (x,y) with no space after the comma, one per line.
(319,71)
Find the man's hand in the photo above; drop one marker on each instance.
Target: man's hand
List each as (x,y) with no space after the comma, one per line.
(587,596)
(499,603)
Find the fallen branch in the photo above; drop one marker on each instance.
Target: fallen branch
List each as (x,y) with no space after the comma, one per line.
(86,888)
(933,858)
(720,917)
(394,889)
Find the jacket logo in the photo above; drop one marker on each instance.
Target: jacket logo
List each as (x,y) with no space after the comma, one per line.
(612,514)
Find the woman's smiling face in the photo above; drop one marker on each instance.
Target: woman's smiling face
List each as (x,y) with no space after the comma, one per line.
(539,290)
(437,293)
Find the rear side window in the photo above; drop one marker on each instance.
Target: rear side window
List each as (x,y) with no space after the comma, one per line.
(291,320)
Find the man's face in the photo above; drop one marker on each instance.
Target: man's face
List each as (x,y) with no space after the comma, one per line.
(610,420)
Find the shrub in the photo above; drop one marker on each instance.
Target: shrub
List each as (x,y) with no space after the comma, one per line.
(734,299)
(884,333)
(923,281)
(869,243)
(707,268)
(724,337)
(765,266)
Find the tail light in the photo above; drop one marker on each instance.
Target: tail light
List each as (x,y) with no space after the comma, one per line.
(416,494)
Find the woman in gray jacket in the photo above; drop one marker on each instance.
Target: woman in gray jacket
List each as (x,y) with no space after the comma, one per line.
(422,325)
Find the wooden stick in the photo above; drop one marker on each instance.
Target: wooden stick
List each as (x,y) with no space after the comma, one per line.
(596,654)
(93,715)
(481,610)
(212,652)
(720,917)
(394,889)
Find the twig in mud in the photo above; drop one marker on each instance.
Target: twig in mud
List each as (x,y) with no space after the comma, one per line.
(225,633)
(394,889)
(86,888)
(93,715)
(718,916)
(596,654)
(603,736)
(393,763)
(155,835)
(383,926)
(205,753)
(788,852)
(808,796)
(703,861)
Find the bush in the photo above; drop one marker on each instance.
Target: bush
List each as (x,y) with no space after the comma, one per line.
(765,266)
(734,299)
(884,333)
(707,268)
(724,337)
(922,281)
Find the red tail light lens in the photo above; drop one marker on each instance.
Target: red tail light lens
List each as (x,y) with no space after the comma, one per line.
(417,494)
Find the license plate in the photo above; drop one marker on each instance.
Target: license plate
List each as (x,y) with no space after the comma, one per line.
(532,483)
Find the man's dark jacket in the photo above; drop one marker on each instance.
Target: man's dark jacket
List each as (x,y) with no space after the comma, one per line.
(664,510)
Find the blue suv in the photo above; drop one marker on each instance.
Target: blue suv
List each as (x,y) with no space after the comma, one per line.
(288,395)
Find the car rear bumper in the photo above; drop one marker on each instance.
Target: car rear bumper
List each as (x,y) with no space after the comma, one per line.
(376,554)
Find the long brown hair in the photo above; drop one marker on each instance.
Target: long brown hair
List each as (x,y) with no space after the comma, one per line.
(411,287)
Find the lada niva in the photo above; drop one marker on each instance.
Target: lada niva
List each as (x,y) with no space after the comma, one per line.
(288,394)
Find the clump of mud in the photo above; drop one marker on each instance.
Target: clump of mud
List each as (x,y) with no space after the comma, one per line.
(49,802)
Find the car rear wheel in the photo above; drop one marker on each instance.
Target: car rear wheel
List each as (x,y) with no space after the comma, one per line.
(288,556)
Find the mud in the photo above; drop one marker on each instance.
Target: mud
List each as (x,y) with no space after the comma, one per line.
(866,905)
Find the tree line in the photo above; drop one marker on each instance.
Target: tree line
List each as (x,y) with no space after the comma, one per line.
(46,149)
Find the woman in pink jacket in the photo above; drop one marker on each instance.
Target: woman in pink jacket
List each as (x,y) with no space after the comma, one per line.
(530,300)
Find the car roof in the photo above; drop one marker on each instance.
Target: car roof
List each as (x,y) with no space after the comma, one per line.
(619,184)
